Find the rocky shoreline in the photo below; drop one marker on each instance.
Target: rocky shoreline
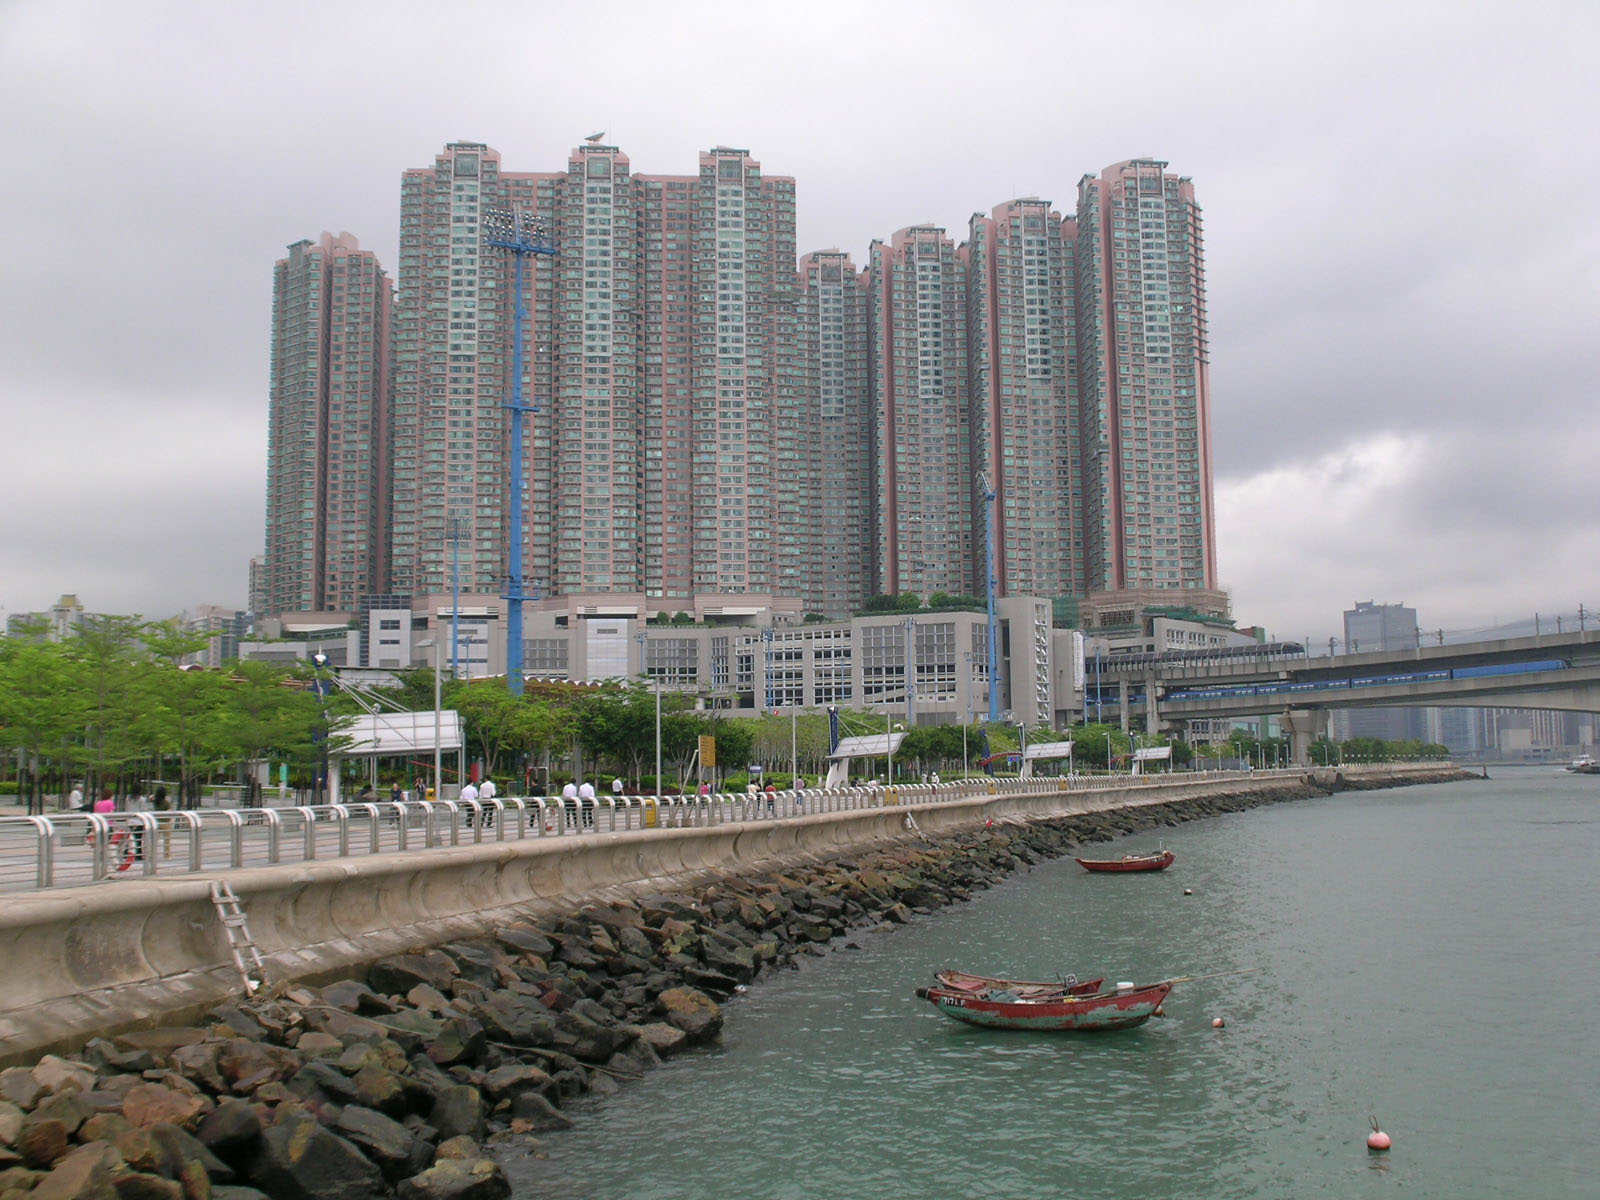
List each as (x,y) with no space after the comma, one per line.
(404,1084)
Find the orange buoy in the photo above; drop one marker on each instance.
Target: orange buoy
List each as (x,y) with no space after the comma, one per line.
(1377,1141)
(1216,1022)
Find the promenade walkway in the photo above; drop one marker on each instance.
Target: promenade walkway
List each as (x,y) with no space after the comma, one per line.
(74,849)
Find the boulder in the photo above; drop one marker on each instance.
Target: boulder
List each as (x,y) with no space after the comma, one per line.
(380,1089)
(298,1157)
(18,1086)
(664,1039)
(458,1111)
(356,997)
(457,1179)
(83,1174)
(587,1040)
(517,1020)
(11,1118)
(149,1104)
(460,1039)
(242,1059)
(398,975)
(386,1142)
(42,1142)
(69,1107)
(231,1130)
(135,1185)
(524,939)
(539,1113)
(55,1074)
(504,1083)
(694,1012)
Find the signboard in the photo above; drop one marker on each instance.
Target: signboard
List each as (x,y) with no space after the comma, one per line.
(708,751)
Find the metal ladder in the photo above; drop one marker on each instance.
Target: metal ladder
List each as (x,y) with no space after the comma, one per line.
(231,913)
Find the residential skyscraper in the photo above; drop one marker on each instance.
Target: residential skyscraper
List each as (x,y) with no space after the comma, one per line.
(833,353)
(922,453)
(327,428)
(1144,389)
(453,319)
(1022,349)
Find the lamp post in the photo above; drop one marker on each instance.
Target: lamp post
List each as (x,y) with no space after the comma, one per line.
(438,754)
(643,639)
(987,489)
(518,232)
(766,670)
(910,624)
(319,664)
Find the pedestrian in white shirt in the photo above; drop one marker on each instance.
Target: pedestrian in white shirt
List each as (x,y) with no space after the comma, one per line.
(586,803)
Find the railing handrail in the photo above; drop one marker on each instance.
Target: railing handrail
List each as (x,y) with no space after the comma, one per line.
(39,851)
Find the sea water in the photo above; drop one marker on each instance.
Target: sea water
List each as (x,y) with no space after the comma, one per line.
(1425,956)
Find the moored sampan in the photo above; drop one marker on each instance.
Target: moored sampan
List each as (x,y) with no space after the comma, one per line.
(999,1008)
(1129,862)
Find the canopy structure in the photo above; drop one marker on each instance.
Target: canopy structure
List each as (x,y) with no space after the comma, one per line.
(872,745)
(375,735)
(1043,750)
(1150,754)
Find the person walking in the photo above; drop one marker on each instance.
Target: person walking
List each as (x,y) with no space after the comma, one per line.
(586,803)
(569,803)
(161,804)
(486,793)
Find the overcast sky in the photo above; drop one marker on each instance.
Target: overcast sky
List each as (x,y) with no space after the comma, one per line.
(1402,217)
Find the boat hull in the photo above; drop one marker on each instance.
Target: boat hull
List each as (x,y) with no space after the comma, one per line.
(1083,1014)
(1129,862)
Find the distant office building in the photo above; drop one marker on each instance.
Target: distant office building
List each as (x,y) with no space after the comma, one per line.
(56,623)
(226,626)
(1022,354)
(1373,627)
(257,590)
(833,358)
(1144,385)
(922,451)
(328,428)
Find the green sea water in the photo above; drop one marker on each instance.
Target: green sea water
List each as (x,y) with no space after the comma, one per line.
(1425,955)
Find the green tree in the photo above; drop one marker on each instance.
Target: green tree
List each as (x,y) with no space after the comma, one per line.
(41,711)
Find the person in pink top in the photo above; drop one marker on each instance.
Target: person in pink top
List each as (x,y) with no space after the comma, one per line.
(106,804)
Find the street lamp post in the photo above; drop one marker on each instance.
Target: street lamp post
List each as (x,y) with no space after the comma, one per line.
(319,663)
(911,671)
(766,670)
(438,753)
(643,639)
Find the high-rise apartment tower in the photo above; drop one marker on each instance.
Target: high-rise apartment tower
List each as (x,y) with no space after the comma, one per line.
(327,428)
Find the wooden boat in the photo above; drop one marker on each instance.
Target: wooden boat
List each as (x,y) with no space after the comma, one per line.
(1000,1008)
(1130,862)
(964,981)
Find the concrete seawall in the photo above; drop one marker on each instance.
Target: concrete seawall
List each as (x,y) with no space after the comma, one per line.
(97,960)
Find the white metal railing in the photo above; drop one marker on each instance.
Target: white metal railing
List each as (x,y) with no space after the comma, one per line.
(70,849)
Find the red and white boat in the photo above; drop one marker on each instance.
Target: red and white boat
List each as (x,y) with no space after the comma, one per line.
(1130,862)
(999,1008)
